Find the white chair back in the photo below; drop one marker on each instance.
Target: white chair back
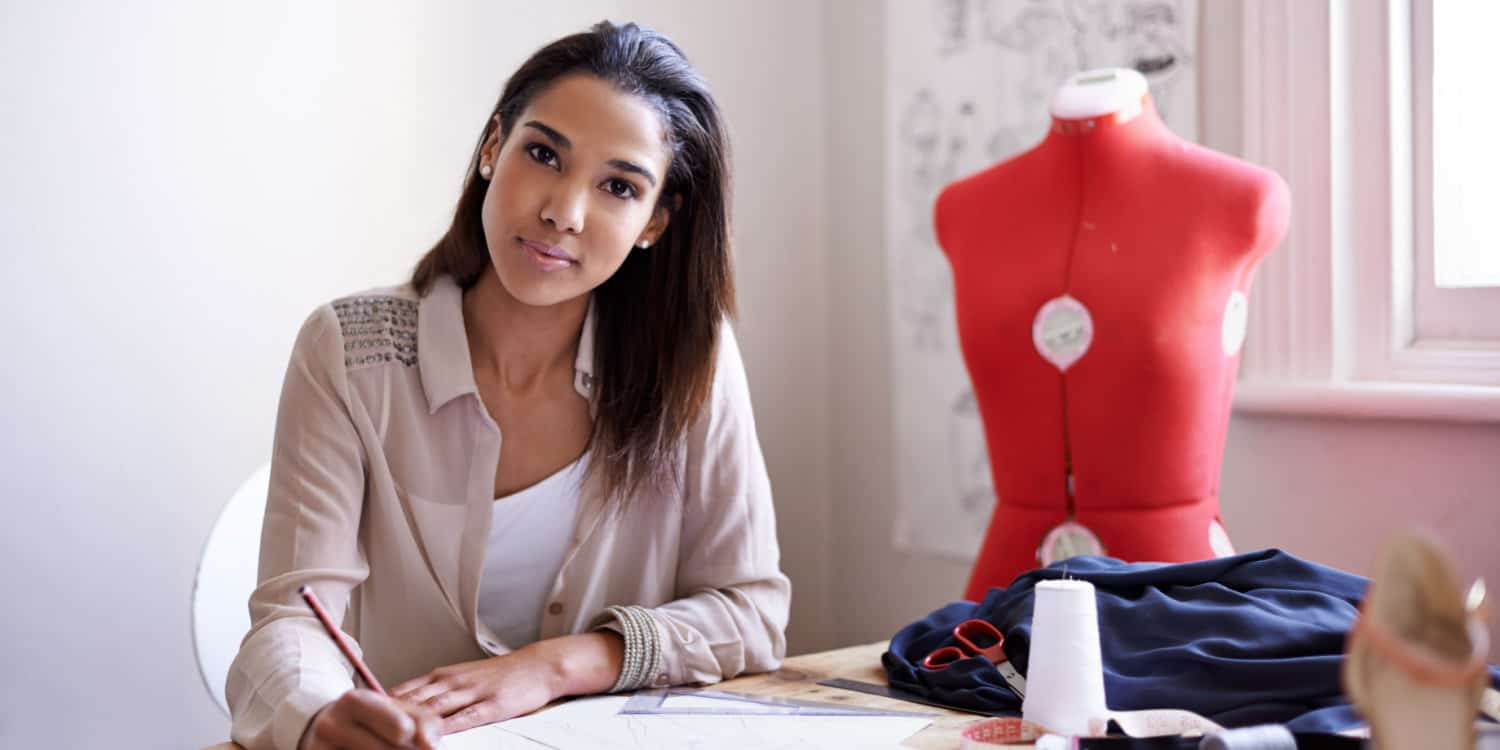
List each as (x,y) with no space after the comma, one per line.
(226,576)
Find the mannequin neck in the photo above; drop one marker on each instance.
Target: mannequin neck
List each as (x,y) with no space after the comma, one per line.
(1095,100)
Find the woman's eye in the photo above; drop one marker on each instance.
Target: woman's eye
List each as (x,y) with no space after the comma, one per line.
(542,154)
(620,188)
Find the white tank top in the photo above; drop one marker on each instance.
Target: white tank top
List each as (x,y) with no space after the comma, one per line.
(529,534)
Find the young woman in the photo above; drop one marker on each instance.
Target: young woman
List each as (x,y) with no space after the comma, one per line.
(532,471)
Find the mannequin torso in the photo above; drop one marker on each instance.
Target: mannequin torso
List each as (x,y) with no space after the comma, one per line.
(1156,239)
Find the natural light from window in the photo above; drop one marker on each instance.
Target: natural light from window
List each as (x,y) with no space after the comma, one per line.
(1465,144)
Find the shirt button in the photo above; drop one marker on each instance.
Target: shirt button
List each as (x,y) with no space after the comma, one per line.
(555,608)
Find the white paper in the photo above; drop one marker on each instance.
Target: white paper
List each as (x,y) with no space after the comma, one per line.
(488,737)
(595,723)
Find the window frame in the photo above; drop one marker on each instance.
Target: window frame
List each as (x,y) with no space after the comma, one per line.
(1451,318)
(1333,314)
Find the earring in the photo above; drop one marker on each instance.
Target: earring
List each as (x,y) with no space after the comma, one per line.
(643,244)
(484,171)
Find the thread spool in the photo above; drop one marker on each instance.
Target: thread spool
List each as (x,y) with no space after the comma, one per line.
(1065,675)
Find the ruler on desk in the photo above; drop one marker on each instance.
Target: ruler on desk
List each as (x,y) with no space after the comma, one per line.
(696,702)
(886,691)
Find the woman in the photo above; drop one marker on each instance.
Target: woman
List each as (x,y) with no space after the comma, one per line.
(532,471)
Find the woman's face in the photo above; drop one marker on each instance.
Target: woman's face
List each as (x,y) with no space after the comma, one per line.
(573,189)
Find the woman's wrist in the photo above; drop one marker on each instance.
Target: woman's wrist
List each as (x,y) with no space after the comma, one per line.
(581,664)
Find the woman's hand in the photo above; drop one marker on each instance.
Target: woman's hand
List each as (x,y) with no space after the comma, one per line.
(365,719)
(481,692)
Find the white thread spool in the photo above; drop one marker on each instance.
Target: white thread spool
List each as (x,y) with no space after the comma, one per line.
(1065,676)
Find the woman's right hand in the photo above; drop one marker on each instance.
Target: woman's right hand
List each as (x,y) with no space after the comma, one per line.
(366,720)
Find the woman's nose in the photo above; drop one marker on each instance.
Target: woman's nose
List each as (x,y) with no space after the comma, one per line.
(564,207)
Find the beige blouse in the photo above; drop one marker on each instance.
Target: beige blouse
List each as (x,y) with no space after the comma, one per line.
(381,480)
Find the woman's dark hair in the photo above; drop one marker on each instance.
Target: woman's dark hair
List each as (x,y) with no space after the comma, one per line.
(658,316)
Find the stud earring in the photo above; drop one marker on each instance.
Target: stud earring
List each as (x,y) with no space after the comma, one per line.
(643,244)
(484,171)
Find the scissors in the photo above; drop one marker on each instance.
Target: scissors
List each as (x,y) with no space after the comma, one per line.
(978,638)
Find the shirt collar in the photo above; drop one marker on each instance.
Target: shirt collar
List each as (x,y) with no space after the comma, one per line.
(583,365)
(443,347)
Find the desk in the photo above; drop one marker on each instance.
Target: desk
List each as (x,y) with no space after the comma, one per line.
(798,678)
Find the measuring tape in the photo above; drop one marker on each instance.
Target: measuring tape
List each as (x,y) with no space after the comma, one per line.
(1156,722)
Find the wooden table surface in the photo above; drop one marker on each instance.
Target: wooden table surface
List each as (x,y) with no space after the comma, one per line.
(799,676)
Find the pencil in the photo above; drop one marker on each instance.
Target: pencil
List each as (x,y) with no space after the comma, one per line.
(338,638)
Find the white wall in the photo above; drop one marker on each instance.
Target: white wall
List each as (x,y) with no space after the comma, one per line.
(185,181)
(877,588)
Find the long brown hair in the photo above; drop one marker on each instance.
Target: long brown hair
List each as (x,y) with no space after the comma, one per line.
(658,316)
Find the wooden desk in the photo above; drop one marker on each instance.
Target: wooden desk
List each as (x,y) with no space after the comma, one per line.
(798,678)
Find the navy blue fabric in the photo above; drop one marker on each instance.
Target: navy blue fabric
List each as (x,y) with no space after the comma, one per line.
(1257,638)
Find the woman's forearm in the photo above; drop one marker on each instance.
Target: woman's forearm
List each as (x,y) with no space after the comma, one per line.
(581,664)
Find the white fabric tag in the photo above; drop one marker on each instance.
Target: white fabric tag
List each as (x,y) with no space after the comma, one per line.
(1236,317)
(1157,722)
(1062,331)
(1218,539)
(1068,539)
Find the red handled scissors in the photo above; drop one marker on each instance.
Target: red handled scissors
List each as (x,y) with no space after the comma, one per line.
(975,638)
(978,638)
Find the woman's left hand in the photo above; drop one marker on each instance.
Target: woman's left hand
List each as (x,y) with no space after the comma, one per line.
(481,692)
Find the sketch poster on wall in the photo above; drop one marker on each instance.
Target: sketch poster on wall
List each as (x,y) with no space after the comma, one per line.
(969,84)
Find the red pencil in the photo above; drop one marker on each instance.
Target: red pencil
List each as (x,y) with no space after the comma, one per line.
(338,637)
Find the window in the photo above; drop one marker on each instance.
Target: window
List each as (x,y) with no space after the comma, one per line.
(1465,153)
(1457,280)
(1385,298)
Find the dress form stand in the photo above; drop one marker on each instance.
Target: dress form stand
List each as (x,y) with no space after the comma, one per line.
(1101,280)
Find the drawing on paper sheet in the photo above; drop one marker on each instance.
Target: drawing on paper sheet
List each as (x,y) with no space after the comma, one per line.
(596,723)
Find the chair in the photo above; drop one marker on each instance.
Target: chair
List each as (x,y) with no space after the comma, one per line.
(226,576)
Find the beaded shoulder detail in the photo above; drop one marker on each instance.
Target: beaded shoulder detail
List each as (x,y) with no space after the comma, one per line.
(377,329)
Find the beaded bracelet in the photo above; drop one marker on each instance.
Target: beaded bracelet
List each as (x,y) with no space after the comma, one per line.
(651,659)
(643,655)
(651,654)
(630,669)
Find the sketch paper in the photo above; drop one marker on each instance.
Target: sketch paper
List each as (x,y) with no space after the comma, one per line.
(596,724)
(488,737)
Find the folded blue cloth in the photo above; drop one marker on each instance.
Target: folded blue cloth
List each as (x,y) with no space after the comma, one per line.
(1256,638)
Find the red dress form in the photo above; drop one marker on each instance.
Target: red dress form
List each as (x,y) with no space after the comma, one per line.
(1155,237)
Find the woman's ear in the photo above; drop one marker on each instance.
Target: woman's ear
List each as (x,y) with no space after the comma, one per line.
(661,216)
(490,151)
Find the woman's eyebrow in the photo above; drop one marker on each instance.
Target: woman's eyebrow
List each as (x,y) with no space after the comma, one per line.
(626,166)
(566,145)
(558,138)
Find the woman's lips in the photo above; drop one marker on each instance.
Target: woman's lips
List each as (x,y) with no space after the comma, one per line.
(547,257)
(549,250)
